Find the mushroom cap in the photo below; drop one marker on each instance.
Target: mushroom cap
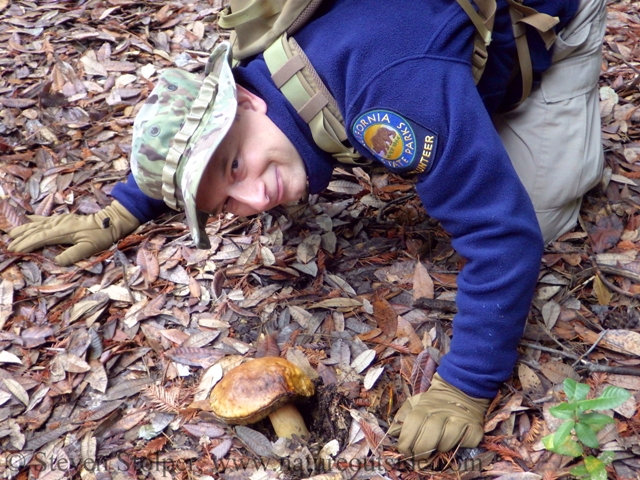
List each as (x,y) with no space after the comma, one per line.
(256,388)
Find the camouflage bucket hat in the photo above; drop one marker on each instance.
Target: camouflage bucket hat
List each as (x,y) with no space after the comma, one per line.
(178,130)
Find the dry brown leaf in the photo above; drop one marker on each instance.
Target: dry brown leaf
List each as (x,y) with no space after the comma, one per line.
(550,313)
(267,346)
(530,382)
(13,102)
(73,363)
(6,301)
(371,377)
(149,266)
(259,295)
(10,217)
(268,258)
(35,336)
(602,292)
(519,476)
(201,339)
(88,449)
(557,371)
(117,66)
(373,440)
(92,66)
(405,329)
(363,360)
(126,423)
(97,376)
(299,359)
(17,390)
(422,372)
(203,429)
(386,317)
(195,357)
(338,282)
(422,283)
(221,450)
(606,233)
(343,186)
(46,206)
(308,249)
(8,357)
(152,447)
(174,335)
(337,303)
(118,293)
(241,311)
(513,405)
(126,388)
(88,306)
(623,341)
(628,382)
(256,441)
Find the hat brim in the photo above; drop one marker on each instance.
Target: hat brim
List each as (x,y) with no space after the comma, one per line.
(210,133)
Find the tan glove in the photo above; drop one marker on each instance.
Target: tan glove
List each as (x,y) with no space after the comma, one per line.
(89,234)
(439,419)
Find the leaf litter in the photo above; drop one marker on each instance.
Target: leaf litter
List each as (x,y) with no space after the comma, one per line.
(100,363)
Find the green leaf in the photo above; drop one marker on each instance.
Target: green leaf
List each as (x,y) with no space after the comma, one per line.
(595,419)
(563,432)
(569,386)
(565,411)
(587,436)
(592,463)
(611,397)
(570,448)
(582,390)
(595,467)
(575,390)
(547,441)
(607,457)
(580,471)
(600,474)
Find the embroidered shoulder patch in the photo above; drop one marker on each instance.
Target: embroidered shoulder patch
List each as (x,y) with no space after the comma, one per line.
(403,146)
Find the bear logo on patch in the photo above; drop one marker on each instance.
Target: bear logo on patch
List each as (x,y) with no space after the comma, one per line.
(400,144)
(382,140)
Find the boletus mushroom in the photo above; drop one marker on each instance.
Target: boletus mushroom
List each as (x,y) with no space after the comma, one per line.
(266,386)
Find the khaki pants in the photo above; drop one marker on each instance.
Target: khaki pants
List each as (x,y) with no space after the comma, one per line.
(554,137)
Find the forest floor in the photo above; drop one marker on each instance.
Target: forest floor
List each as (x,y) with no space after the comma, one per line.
(100,361)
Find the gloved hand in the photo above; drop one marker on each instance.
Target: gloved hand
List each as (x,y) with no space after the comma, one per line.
(439,419)
(89,234)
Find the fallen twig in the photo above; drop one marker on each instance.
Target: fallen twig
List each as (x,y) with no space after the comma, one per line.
(585,364)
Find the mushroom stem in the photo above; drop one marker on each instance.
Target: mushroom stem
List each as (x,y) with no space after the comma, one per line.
(287,420)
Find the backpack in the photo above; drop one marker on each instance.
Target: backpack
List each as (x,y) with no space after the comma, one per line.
(267,26)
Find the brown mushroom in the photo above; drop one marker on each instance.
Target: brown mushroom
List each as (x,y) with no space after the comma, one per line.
(263,387)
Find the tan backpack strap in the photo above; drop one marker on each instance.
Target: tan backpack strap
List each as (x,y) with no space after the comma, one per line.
(483,20)
(524,57)
(521,16)
(253,11)
(298,81)
(480,20)
(542,22)
(256,24)
(304,17)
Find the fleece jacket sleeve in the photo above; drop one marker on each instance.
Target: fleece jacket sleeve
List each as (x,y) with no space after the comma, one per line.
(473,190)
(140,205)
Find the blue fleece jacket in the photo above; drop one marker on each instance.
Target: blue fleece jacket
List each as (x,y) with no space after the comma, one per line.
(400,72)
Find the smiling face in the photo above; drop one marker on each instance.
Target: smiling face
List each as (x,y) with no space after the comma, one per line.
(255,167)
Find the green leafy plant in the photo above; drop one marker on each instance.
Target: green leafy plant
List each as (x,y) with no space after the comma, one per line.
(581,425)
